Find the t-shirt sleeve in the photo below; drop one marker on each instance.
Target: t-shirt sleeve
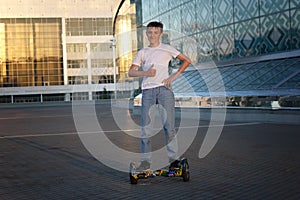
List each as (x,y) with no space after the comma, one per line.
(174,52)
(138,59)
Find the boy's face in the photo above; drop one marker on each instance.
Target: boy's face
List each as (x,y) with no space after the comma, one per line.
(154,34)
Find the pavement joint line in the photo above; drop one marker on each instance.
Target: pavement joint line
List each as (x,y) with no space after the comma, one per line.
(115,131)
(48,116)
(27,117)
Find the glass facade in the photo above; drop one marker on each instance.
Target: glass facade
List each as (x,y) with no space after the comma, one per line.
(46,51)
(126,36)
(87,55)
(226,30)
(30,52)
(88,26)
(253,76)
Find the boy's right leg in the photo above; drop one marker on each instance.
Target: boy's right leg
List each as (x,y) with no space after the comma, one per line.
(148,100)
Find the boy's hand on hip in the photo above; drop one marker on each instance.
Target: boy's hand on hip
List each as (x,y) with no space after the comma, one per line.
(168,82)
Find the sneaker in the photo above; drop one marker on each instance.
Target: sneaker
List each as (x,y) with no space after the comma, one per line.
(145,165)
(174,165)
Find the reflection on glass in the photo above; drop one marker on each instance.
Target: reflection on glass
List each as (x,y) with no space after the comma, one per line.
(31,52)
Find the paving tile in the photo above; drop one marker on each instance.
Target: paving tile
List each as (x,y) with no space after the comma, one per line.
(42,157)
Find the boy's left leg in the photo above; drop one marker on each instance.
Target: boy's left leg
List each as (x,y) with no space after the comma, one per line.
(167,101)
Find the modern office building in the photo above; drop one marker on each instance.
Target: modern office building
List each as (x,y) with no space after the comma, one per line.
(246,50)
(82,49)
(55,50)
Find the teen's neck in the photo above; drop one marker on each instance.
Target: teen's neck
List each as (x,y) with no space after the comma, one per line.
(153,45)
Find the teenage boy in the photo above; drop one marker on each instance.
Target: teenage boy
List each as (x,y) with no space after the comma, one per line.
(156,88)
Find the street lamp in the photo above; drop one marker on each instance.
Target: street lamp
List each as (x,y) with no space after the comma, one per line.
(113,45)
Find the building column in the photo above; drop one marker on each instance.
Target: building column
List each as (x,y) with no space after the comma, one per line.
(89,65)
(113,40)
(64,46)
(65,58)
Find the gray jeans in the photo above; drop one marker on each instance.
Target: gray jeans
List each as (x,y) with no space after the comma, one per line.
(165,99)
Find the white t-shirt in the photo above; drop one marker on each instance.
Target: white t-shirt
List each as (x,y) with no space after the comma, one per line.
(159,57)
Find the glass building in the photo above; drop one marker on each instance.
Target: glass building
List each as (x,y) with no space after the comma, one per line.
(31,52)
(246,49)
(55,51)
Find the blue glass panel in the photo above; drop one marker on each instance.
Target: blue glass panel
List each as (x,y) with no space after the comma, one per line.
(173,3)
(188,18)
(165,19)
(247,76)
(185,81)
(275,31)
(204,15)
(189,48)
(293,82)
(245,9)
(229,73)
(271,6)
(224,42)
(184,1)
(146,10)
(223,11)
(153,8)
(232,81)
(175,24)
(295,28)
(205,46)
(177,44)
(200,84)
(294,3)
(279,70)
(163,5)
(247,38)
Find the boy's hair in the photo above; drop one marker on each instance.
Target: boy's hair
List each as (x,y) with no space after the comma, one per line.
(156,24)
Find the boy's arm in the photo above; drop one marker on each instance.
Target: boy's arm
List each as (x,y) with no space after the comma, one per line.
(186,62)
(133,71)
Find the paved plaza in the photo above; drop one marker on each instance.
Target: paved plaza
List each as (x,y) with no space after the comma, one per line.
(42,157)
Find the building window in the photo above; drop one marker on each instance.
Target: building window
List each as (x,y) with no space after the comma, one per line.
(76,48)
(102,79)
(100,47)
(30,52)
(77,80)
(101,63)
(77,64)
(88,26)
